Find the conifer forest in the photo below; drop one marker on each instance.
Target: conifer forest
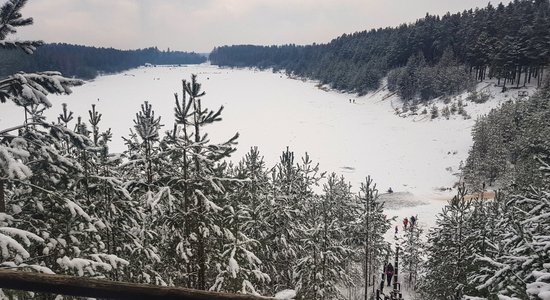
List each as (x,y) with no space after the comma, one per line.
(178,206)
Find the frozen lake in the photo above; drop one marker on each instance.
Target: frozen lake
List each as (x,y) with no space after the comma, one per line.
(272,112)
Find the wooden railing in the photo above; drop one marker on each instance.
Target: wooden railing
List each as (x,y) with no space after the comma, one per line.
(98,288)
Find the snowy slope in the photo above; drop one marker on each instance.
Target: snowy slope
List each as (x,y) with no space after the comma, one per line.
(412,154)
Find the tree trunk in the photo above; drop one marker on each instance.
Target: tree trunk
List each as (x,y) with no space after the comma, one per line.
(201,243)
(149,168)
(519,76)
(367,247)
(187,224)
(2,197)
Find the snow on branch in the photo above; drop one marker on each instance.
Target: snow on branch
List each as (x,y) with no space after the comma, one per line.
(11,163)
(25,236)
(11,248)
(81,265)
(75,210)
(33,88)
(207,203)
(28,46)
(36,268)
(154,199)
(113,260)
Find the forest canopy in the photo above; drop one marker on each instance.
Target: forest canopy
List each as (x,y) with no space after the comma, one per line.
(507,42)
(88,62)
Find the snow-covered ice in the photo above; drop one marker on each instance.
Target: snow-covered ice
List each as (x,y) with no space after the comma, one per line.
(410,155)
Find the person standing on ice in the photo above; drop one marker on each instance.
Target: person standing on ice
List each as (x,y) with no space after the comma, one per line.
(396,229)
(405,223)
(413,221)
(389,272)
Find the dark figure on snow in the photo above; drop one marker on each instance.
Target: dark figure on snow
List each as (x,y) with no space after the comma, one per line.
(389,272)
(405,223)
(390,191)
(396,229)
(413,221)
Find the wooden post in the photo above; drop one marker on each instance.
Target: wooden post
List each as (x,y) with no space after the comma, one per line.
(99,288)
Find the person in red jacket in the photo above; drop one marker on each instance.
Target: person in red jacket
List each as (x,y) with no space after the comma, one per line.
(405,223)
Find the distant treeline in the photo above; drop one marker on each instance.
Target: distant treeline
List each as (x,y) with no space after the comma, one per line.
(507,42)
(87,62)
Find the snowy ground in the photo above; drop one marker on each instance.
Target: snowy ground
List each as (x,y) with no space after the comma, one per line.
(415,156)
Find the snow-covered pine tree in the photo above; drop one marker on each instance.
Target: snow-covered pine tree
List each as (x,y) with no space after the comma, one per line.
(519,267)
(412,254)
(286,222)
(50,203)
(487,160)
(143,146)
(368,231)
(452,249)
(38,176)
(207,176)
(105,187)
(252,200)
(142,172)
(292,191)
(323,266)
(239,269)
(178,252)
(198,179)
(24,90)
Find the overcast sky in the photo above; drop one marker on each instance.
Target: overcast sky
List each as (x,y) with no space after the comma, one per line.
(200,25)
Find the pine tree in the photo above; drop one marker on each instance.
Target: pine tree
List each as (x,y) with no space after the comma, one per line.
(368,231)
(412,254)
(41,203)
(322,267)
(517,265)
(259,198)
(246,270)
(453,245)
(23,89)
(199,182)
(142,172)
(292,190)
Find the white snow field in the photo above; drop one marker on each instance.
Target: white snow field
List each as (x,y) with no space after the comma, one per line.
(414,155)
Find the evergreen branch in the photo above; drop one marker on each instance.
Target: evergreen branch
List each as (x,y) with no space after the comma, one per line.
(32,88)
(10,17)
(28,46)
(19,127)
